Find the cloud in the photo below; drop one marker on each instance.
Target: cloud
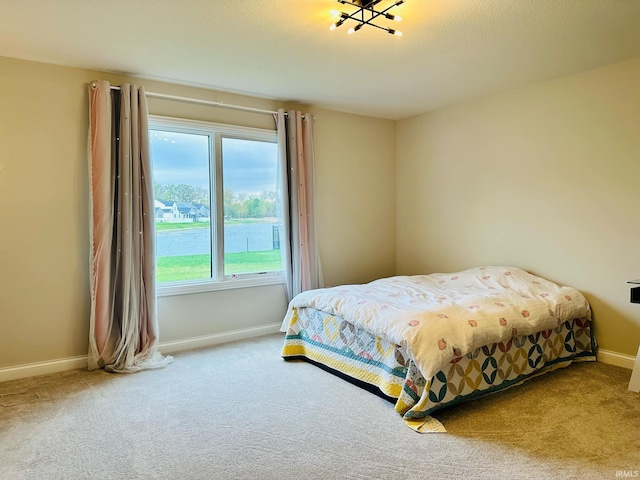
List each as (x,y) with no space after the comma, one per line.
(249,166)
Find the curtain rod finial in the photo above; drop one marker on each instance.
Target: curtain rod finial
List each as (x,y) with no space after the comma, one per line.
(94,85)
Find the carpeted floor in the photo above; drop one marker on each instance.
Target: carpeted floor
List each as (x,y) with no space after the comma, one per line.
(239,411)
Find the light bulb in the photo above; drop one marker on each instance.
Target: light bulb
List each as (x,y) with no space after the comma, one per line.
(333,26)
(397,33)
(335,13)
(351,30)
(397,18)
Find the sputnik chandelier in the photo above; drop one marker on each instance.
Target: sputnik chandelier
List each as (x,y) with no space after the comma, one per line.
(364,14)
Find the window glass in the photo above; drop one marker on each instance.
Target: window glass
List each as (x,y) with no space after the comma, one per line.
(215,202)
(182,205)
(251,236)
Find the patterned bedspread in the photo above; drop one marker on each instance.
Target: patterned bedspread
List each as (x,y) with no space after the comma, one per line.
(440,317)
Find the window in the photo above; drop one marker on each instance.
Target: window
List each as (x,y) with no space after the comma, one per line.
(215,205)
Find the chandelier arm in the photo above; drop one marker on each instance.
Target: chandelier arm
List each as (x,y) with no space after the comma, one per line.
(353,16)
(360,22)
(374,15)
(378,26)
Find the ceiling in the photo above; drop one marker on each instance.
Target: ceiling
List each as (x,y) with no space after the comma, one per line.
(451,51)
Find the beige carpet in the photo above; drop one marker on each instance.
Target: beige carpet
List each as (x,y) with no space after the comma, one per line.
(240,411)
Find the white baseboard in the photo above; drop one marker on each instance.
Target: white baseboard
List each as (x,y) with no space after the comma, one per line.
(218,338)
(617,359)
(42,368)
(74,363)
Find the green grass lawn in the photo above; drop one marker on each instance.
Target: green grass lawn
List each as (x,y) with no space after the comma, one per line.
(162,226)
(194,267)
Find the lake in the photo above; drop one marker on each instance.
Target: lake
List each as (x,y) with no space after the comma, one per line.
(240,237)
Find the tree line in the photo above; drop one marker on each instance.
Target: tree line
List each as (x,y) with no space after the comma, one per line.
(181,193)
(236,205)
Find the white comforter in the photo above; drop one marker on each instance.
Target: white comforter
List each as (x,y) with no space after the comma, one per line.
(439,317)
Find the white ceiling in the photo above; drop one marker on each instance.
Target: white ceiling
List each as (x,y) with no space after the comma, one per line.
(451,51)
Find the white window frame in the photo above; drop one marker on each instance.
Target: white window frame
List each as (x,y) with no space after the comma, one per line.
(216,132)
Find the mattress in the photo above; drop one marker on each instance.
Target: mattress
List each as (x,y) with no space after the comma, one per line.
(389,364)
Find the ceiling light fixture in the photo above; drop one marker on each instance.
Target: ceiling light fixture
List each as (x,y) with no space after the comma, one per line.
(364,14)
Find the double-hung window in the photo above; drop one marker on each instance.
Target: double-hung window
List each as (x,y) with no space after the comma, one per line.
(215,205)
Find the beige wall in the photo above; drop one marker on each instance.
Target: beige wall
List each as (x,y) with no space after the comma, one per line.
(44,292)
(546,178)
(355,197)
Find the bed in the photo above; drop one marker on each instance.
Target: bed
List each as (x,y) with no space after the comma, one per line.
(426,342)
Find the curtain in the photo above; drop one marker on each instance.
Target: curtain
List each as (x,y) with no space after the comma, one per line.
(123,333)
(301,263)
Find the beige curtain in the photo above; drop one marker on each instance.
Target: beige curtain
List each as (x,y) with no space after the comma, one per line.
(301,263)
(123,325)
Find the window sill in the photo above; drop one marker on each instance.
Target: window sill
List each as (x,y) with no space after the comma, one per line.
(203,286)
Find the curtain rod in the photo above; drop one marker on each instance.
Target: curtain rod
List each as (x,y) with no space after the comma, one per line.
(210,103)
